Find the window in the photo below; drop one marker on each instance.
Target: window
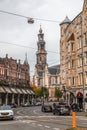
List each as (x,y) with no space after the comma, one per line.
(73,81)
(53,81)
(73,64)
(41,82)
(86,77)
(79,42)
(85,38)
(79,60)
(72,46)
(85,58)
(58,80)
(69,47)
(69,82)
(80,79)
(69,65)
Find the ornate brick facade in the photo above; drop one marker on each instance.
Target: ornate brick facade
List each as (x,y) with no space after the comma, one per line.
(73,56)
(14,81)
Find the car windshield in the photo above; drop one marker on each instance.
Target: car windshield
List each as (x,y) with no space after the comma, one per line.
(46,106)
(62,106)
(58,106)
(5,108)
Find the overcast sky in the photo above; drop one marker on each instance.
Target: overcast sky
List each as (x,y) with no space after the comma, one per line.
(16,30)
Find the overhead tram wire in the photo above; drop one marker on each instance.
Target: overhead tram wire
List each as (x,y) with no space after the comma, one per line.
(23,16)
(4,42)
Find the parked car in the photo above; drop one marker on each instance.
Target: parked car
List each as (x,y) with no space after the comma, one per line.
(13,105)
(75,107)
(38,103)
(46,108)
(6,112)
(62,110)
(27,104)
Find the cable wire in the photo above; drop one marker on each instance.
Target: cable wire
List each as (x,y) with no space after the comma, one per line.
(19,15)
(4,42)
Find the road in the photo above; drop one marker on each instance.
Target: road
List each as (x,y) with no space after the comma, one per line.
(31,118)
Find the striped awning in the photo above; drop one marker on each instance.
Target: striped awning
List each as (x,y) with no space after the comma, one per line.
(2,90)
(28,91)
(24,91)
(8,90)
(19,91)
(14,90)
(32,92)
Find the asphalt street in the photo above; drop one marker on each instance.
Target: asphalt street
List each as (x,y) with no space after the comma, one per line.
(31,118)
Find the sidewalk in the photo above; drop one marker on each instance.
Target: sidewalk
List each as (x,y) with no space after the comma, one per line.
(81,114)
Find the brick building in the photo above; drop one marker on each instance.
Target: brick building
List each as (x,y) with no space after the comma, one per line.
(73,57)
(14,81)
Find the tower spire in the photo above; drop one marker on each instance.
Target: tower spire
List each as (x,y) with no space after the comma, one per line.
(40,30)
(26,61)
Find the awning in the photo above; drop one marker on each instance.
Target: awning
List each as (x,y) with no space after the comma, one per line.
(28,91)
(32,92)
(24,91)
(19,91)
(2,90)
(8,90)
(14,90)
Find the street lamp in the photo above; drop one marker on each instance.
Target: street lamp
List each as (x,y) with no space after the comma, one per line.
(82,64)
(64,90)
(30,20)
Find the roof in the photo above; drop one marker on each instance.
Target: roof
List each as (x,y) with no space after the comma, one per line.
(66,20)
(53,70)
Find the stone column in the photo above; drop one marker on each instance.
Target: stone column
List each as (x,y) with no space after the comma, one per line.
(13,98)
(23,98)
(0,99)
(28,98)
(6,99)
(18,99)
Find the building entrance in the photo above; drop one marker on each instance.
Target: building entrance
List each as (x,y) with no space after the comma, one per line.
(80,99)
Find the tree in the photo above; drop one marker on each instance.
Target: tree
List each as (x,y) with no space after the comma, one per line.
(44,92)
(36,89)
(58,93)
(40,91)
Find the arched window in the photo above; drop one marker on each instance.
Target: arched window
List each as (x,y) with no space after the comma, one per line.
(53,80)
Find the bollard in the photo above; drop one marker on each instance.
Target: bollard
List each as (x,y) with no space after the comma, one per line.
(74,119)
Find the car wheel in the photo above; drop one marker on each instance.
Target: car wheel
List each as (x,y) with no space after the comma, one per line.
(53,113)
(58,113)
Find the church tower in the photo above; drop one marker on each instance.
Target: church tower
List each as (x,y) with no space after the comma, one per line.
(41,53)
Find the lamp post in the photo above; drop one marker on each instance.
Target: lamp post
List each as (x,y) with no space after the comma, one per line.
(64,90)
(82,64)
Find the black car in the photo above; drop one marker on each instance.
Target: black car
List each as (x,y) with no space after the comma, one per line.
(13,105)
(46,108)
(75,107)
(62,110)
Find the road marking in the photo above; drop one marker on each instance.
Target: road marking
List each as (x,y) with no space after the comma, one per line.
(33,124)
(47,126)
(40,125)
(56,128)
(27,121)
